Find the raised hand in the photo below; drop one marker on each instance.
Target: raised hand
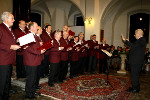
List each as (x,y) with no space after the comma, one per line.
(123,38)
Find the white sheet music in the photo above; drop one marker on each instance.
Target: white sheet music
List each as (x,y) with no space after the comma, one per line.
(26,39)
(106,52)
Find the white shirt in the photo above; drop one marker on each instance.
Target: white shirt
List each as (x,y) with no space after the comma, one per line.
(32,33)
(75,42)
(59,45)
(10,30)
(21,29)
(80,41)
(140,37)
(39,37)
(94,41)
(7,26)
(49,34)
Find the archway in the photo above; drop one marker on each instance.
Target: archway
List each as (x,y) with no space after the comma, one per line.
(58,12)
(115,19)
(139,21)
(35,17)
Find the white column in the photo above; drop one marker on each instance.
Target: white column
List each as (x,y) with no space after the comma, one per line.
(123,58)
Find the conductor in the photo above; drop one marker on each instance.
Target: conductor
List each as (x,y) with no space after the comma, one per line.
(136,58)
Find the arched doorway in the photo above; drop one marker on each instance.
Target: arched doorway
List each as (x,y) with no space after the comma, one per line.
(116,19)
(59,13)
(35,17)
(139,21)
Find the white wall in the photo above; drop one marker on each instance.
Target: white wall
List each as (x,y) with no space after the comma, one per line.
(77,29)
(6,5)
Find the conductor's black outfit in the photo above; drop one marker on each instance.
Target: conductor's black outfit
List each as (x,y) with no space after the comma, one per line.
(136,60)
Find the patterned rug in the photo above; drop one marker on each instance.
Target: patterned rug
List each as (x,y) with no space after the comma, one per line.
(89,87)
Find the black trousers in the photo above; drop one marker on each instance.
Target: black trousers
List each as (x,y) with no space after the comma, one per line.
(74,68)
(5,81)
(46,65)
(20,69)
(92,64)
(86,63)
(39,72)
(102,65)
(82,64)
(54,73)
(135,74)
(63,70)
(31,75)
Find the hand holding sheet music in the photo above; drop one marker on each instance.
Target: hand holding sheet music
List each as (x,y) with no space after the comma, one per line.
(107,53)
(46,45)
(26,39)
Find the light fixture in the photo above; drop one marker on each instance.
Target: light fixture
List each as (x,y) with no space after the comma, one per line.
(88,20)
(141,18)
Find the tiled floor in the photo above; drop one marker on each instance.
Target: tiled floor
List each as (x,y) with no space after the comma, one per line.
(144,94)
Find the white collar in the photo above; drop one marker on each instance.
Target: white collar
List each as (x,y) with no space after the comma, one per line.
(140,37)
(48,33)
(7,26)
(38,35)
(94,40)
(21,29)
(32,32)
(57,40)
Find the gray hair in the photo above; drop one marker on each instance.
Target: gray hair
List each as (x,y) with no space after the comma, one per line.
(5,15)
(57,32)
(65,33)
(139,31)
(80,34)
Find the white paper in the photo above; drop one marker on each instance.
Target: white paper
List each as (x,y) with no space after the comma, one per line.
(106,52)
(26,39)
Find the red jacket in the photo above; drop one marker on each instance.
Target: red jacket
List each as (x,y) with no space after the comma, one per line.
(7,56)
(71,33)
(64,53)
(55,52)
(92,51)
(45,37)
(18,33)
(52,34)
(101,54)
(32,56)
(27,30)
(81,52)
(74,53)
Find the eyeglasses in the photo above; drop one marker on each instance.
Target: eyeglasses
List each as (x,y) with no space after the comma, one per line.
(10,18)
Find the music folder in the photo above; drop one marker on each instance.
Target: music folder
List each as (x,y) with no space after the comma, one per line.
(46,45)
(107,53)
(68,46)
(26,39)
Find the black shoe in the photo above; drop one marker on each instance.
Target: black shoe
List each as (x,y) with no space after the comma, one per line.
(129,89)
(12,91)
(93,73)
(39,94)
(71,77)
(51,84)
(38,87)
(30,97)
(76,75)
(59,82)
(135,91)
